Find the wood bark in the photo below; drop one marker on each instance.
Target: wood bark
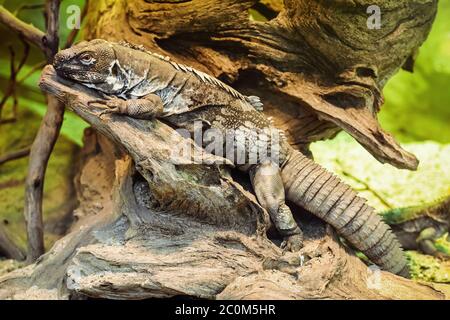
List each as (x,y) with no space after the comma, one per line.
(160,237)
(317,66)
(43,144)
(156,225)
(14,155)
(30,33)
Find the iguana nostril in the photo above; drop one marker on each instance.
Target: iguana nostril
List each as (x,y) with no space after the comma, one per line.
(57,61)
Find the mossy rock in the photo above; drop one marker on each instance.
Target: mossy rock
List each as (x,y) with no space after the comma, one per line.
(428,268)
(389,187)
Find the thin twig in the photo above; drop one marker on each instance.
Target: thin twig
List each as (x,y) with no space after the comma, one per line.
(43,145)
(28,7)
(29,33)
(13,83)
(11,91)
(15,155)
(37,67)
(9,248)
(11,183)
(51,38)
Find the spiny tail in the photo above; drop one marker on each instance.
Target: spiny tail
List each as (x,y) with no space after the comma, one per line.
(326,196)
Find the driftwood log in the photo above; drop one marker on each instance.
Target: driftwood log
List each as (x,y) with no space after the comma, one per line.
(317,66)
(175,227)
(152,224)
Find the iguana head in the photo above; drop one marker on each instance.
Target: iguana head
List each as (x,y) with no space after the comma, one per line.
(91,63)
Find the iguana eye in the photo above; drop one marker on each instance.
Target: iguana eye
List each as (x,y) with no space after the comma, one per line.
(86,58)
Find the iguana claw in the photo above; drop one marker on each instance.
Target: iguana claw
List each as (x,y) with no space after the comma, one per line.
(292,243)
(110,105)
(109,111)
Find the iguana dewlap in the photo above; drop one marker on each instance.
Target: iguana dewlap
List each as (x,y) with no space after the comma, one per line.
(144,85)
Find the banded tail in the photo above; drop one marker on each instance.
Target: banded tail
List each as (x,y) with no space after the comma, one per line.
(312,187)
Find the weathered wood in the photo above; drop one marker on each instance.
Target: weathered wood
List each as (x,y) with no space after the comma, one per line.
(14,155)
(43,144)
(27,31)
(139,245)
(168,226)
(317,66)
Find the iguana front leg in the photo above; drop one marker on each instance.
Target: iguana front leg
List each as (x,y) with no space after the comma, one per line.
(148,107)
(269,189)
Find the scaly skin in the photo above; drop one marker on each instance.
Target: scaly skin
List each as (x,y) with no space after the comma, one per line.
(143,85)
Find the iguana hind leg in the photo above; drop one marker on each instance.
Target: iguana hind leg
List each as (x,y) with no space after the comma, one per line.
(147,107)
(269,189)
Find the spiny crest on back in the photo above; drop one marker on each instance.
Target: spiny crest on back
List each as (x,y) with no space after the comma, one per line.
(123,43)
(254,101)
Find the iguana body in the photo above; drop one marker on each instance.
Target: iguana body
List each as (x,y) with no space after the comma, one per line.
(182,96)
(419,227)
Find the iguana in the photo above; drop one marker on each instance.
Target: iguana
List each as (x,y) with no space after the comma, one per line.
(423,227)
(145,85)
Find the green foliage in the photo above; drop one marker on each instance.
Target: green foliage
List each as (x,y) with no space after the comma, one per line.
(417,110)
(418,104)
(428,268)
(442,244)
(30,96)
(256,16)
(383,183)
(57,187)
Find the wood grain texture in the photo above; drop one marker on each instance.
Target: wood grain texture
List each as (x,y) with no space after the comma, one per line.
(317,62)
(133,247)
(164,227)
(43,144)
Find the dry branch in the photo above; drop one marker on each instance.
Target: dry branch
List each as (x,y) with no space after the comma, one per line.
(43,145)
(39,155)
(317,66)
(30,33)
(13,82)
(14,155)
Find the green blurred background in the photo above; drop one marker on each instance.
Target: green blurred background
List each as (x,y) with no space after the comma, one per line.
(416,112)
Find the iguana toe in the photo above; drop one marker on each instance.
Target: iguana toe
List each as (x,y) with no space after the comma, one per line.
(292,243)
(109,111)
